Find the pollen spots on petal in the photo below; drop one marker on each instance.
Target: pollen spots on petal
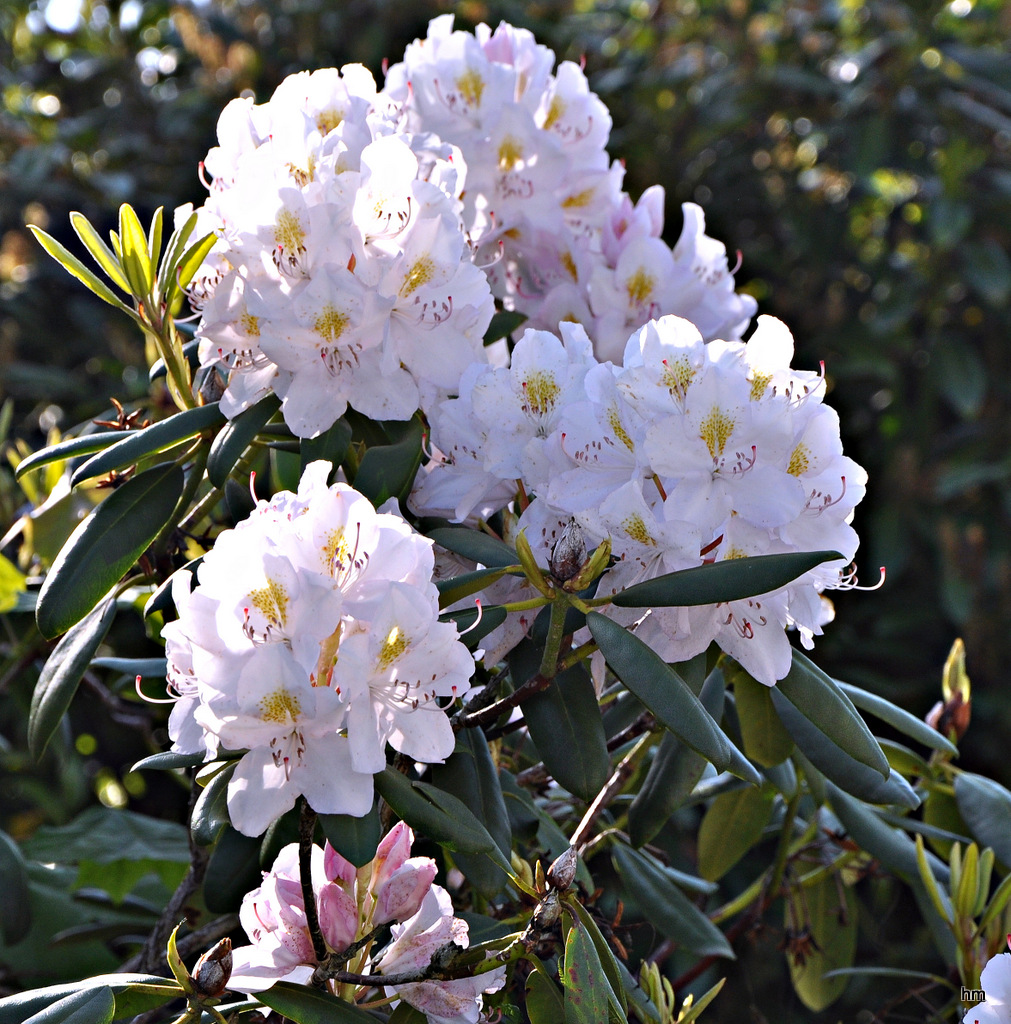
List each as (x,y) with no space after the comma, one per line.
(716,429)
(542,391)
(636,528)
(733,552)
(422,271)
(394,645)
(271,601)
(280,707)
(510,153)
(570,265)
(556,111)
(580,200)
(614,422)
(759,382)
(289,233)
(327,120)
(330,323)
(470,86)
(800,460)
(250,324)
(678,373)
(640,287)
(336,551)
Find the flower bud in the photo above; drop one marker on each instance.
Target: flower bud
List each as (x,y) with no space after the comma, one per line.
(596,564)
(391,854)
(563,870)
(401,896)
(338,916)
(212,971)
(337,868)
(569,552)
(951,716)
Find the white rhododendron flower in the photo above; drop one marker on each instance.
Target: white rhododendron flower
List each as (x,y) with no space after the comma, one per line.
(996,983)
(311,641)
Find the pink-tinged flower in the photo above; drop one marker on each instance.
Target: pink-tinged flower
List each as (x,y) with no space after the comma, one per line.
(996,983)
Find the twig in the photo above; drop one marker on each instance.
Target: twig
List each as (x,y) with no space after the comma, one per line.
(611,789)
(306,833)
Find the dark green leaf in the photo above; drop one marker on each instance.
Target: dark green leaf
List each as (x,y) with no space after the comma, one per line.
(544,1001)
(105,546)
(616,993)
(15,907)
(458,587)
(148,668)
(583,980)
(210,812)
(236,436)
(985,806)
(23,1006)
(90,1006)
(407,1014)
(732,824)
(150,440)
(470,775)
(820,700)
(305,1005)
(831,913)
(730,580)
(666,907)
(169,759)
(388,471)
(465,619)
(503,323)
(663,691)
(162,596)
(355,839)
(568,732)
(898,718)
(136,999)
(478,547)
(674,773)
(232,871)
(835,764)
(765,740)
(62,674)
(330,446)
(74,446)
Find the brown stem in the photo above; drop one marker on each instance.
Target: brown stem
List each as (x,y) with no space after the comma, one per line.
(489,714)
(306,833)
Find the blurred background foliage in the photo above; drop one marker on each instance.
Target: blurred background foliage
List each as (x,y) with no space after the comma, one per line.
(857,154)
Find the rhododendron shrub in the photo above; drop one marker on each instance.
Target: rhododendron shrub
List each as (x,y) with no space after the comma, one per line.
(486,521)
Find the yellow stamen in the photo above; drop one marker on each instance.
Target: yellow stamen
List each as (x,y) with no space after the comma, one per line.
(800,460)
(715,430)
(393,647)
(280,706)
(640,286)
(330,323)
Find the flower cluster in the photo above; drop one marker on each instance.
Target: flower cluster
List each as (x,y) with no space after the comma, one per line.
(311,641)
(543,201)
(686,453)
(339,254)
(351,906)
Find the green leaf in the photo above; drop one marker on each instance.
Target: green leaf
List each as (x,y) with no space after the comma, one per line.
(544,1002)
(831,912)
(150,668)
(173,253)
(169,759)
(133,1000)
(820,700)
(355,839)
(988,270)
(435,814)
(101,253)
(236,436)
(699,1005)
(23,1006)
(670,699)
(503,323)
(583,980)
(473,544)
(458,587)
(165,434)
(90,1006)
(119,878)
(388,471)
(154,233)
(898,718)
(15,907)
(136,258)
(719,582)
(232,871)
(616,992)
(330,446)
(210,812)
(62,674)
(473,632)
(674,773)
(68,449)
(985,807)
(77,269)
(190,262)
(407,1014)
(161,598)
(470,775)
(190,352)
(731,826)
(665,906)
(106,545)
(765,739)
(311,1006)
(568,732)
(12,584)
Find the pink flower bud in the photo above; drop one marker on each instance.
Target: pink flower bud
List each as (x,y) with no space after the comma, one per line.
(402,894)
(338,916)
(391,854)
(336,868)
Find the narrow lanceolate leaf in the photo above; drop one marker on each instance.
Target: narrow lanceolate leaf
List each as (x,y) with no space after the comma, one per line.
(305,1005)
(666,907)
(77,269)
(618,1004)
(15,907)
(985,807)
(544,1003)
(459,587)
(24,1006)
(136,257)
(566,727)
(142,443)
(236,436)
(105,545)
(478,547)
(732,824)
(730,580)
(62,673)
(836,765)
(472,632)
(898,718)
(101,253)
(355,839)
(189,264)
(820,700)
(173,253)
(71,448)
(210,812)
(663,691)
(89,1006)
(583,980)
(154,233)
(765,739)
